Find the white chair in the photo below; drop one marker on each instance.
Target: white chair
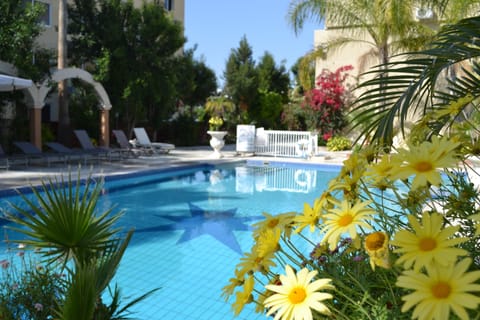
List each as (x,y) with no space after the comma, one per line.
(142,140)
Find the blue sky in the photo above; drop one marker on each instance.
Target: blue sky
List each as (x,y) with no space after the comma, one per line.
(217,26)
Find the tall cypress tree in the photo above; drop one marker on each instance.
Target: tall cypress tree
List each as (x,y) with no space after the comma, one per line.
(241,80)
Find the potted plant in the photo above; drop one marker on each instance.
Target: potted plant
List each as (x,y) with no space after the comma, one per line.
(217,141)
(217,107)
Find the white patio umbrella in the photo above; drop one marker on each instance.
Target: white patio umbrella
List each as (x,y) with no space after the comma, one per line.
(9,83)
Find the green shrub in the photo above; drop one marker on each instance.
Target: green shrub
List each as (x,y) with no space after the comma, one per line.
(339,144)
(29,290)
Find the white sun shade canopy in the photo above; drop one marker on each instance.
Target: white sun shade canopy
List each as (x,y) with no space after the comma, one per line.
(9,83)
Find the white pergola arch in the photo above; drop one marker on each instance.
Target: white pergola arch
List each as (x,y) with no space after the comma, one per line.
(39,92)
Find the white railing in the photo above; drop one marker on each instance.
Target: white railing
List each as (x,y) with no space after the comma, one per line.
(282,143)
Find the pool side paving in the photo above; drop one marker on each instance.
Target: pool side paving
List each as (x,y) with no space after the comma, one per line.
(179,157)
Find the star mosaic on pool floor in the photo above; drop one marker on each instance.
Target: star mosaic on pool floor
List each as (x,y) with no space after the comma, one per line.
(218,224)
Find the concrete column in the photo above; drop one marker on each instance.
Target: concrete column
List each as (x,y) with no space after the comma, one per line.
(36,127)
(104,128)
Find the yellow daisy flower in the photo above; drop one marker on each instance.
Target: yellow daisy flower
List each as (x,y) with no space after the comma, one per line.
(347,183)
(324,202)
(429,242)
(424,161)
(253,262)
(376,245)
(455,106)
(378,174)
(297,295)
(381,169)
(442,290)
(273,221)
(243,297)
(355,162)
(234,282)
(310,217)
(345,219)
(267,242)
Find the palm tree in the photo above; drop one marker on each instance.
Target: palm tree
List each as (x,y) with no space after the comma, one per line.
(416,85)
(392,28)
(387,26)
(63,114)
(219,106)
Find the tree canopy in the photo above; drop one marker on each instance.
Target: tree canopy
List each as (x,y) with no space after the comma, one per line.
(132,53)
(19,28)
(241,79)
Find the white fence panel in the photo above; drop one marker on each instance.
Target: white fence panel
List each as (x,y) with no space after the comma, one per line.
(280,143)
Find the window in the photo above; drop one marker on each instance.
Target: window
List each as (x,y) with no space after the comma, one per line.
(45,17)
(168,4)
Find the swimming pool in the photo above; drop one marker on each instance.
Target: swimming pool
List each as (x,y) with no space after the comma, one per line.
(191,226)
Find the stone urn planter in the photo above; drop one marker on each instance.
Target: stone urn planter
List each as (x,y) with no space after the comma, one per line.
(217,142)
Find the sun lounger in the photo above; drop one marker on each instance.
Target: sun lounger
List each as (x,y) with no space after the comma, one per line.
(87,145)
(7,161)
(33,153)
(125,145)
(71,154)
(144,141)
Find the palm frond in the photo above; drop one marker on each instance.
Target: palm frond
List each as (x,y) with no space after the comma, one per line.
(410,83)
(63,220)
(81,297)
(300,11)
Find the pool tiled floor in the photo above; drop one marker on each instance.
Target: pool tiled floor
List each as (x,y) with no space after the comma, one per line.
(178,259)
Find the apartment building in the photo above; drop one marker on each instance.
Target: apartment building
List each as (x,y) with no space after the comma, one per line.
(48,39)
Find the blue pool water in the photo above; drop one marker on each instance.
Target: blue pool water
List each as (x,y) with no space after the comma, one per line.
(192,225)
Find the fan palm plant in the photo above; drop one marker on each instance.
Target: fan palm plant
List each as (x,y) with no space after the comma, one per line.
(421,82)
(62,222)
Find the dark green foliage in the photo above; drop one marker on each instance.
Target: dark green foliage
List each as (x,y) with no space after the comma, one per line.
(360,292)
(273,78)
(185,128)
(258,90)
(196,82)
(241,80)
(132,53)
(293,115)
(269,110)
(83,108)
(19,29)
